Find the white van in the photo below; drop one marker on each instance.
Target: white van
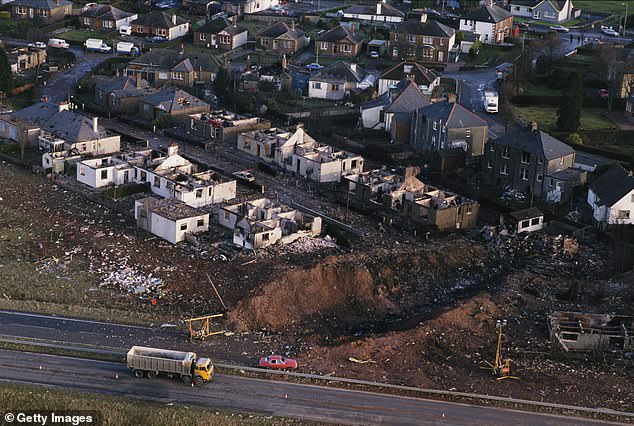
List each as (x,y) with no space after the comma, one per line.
(58,43)
(125,30)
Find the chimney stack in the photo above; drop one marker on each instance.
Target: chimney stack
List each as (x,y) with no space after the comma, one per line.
(451,98)
(423,17)
(353,67)
(174,19)
(95,124)
(533,126)
(172,150)
(284,62)
(63,106)
(138,80)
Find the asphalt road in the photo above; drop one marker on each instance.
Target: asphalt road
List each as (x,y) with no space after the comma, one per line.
(254,395)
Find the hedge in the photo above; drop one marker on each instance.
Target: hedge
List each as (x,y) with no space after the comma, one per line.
(526,100)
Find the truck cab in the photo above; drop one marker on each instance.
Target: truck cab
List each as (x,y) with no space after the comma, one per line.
(204,369)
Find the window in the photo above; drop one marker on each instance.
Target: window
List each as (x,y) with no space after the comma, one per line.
(427,40)
(623,214)
(490,164)
(526,157)
(200,222)
(265,237)
(184,227)
(162,76)
(428,53)
(524,224)
(468,133)
(435,126)
(345,48)
(82,171)
(411,38)
(203,36)
(323,45)
(157,181)
(632,198)
(178,76)
(504,170)
(517,8)
(226,215)
(143,176)
(161,32)
(225,39)
(539,177)
(107,24)
(524,174)
(442,41)
(199,193)
(491,148)
(317,85)
(20,10)
(139,28)
(540,160)
(569,336)
(334,87)
(210,191)
(561,161)
(396,37)
(264,41)
(86,21)
(469,209)
(552,182)
(505,152)
(104,174)
(535,221)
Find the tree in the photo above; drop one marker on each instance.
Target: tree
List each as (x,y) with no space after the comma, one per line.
(569,112)
(574,139)
(542,65)
(507,110)
(557,79)
(459,37)
(475,50)
(552,43)
(6,78)
(222,83)
(524,65)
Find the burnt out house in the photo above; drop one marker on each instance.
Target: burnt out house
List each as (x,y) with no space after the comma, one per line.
(583,332)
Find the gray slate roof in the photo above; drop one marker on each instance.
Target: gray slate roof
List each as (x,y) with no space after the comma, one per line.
(420,74)
(557,4)
(340,71)
(526,214)
(386,10)
(612,185)
(221,23)
(453,114)
(491,14)
(124,87)
(41,4)
(105,12)
(429,28)
(168,59)
(36,113)
(410,99)
(536,142)
(173,99)
(339,33)
(73,127)
(281,28)
(158,19)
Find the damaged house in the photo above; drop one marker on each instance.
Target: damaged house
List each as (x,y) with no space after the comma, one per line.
(260,223)
(222,125)
(577,331)
(121,95)
(169,219)
(169,176)
(413,199)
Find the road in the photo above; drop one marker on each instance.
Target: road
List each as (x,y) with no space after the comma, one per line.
(255,395)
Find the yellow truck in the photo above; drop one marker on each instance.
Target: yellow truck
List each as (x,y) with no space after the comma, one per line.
(150,362)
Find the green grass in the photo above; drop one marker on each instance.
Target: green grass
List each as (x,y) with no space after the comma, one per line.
(546,117)
(532,89)
(80,36)
(124,411)
(493,55)
(16,28)
(611,7)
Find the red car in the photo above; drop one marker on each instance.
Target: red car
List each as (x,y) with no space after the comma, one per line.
(603,93)
(278,362)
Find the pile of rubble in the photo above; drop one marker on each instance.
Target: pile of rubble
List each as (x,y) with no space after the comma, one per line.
(129,280)
(308,245)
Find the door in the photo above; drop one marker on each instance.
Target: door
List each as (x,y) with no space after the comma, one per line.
(441,56)
(30,12)
(125,176)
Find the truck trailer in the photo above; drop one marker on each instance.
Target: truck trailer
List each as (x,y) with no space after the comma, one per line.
(150,362)
(97,45)
(126,48)
(491,102)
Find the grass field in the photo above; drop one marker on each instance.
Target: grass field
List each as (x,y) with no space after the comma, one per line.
(546,117)
(122,411)
(612,7)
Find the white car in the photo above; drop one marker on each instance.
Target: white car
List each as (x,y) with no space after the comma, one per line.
(611,32)
(374,55)
(244,175)
(38,44)
(559,28)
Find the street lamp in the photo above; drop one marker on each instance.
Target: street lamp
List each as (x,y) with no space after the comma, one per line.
(625,20)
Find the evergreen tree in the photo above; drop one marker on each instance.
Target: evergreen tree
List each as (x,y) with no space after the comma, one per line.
(569,112)
(6,78)
(222,83)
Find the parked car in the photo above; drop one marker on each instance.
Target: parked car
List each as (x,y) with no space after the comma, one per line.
(278,362)
(38,44)
(58,43)
(374,55)
(245,175)
(156,39)
(611,32)
(314,67)
(603,93)
(559,28)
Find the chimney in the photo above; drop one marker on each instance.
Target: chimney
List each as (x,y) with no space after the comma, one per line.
(451,98)
(95,124)
(630,173)
(378,8)
(423,17)
(174,19)
(284,62)
(533,126)
(172,150)
(63,106)
(353,67)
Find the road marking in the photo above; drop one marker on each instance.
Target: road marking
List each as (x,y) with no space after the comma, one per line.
(52,317)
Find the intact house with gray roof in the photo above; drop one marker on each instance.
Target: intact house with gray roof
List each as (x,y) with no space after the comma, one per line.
(399,114)
(425,78)
(104,16)
(172,101)
(336,81)
(381,13)
(45,10)
(170,67)
(169,219)
(220,33)
(162,24)
(339,42)
(490,24)
(281,38)
(445,129)
(533,162)
(121,95)
(611,197)
(422,40)
(556,11)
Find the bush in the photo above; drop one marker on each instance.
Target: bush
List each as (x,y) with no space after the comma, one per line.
(557,78)
(163,122)
(575,139)
(542,65)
